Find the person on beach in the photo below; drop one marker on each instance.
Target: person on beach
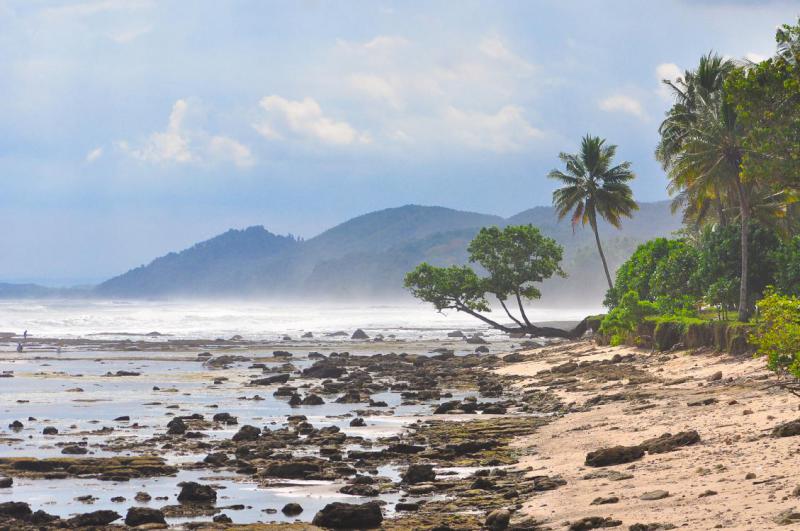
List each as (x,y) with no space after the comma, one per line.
(19,347)
(25,335)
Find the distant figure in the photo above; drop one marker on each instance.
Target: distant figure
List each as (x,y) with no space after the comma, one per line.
(58,350)
(19,347)
(25,334)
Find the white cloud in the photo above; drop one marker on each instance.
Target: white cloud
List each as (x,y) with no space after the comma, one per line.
(494,48)
(504,131)
(179,144)
(224,148)
(377,88)
(669,72)
(304,118)
(94,154)
(624,104)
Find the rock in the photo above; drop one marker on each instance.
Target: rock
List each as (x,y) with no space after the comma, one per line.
(339,515)
(270,380)
(651,527)
(292,509)
(358,422)
(704,402)
(18,510)
(292,469)
(476,340)
(456,333)
(6,483)
(795,491)
(142,497)
(707,493)
(247,433)
(654,495)
(616,455)
(74,450)
(176,427)
(192,492)
(594,522)
(483,349)
(225,418)
(359,334)
(323,369)
(717,376)
(669,442)
(787,517)
(312,400)
(605,500)
(360,490)
(307,335)
(418,474)
(123,418)
(750,475)
(16,425)
(222,519)
(409,506)
(144,515)
(494,409)
(498,520)
(50,430)
(95,518)
(788,429)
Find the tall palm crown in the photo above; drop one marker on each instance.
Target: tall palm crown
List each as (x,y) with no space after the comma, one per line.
(592,186)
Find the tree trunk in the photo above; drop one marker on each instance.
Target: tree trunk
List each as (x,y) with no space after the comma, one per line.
(522,311)
(503,304)
(593,222)
(744,216)
(485,319)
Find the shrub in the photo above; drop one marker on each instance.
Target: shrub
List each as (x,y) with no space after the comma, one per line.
(621,321)
(777,334)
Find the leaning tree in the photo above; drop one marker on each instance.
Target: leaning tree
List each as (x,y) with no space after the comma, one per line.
(515,259)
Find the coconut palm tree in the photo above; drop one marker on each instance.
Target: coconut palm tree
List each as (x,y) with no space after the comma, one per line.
(701,149)
(594,186)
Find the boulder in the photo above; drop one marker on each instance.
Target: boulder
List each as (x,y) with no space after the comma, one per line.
(654,495)
(419,474)
(359,334)
(616,455)
(270,380)
(50,430)
(225,418)
(192,492)
(339,515)
(312,400)
(144,515)
(94,518)
(323,369)
(247,433)
(476,340)
(176,427)
(594,522)
(668,442)
(498,520)
(292,509)
(6,483)
(788,429)
(18,510)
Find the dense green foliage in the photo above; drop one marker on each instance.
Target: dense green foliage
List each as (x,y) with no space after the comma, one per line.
(516,258)
(787,267)
(620,323)
(777,335)
(592,186)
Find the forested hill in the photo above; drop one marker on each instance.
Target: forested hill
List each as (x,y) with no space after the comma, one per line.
(367,256)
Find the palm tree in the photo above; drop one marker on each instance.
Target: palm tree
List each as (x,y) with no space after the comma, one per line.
(701,149)
(593,186)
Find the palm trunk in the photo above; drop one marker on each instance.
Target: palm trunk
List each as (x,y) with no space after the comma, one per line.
(744,216)
(593,222)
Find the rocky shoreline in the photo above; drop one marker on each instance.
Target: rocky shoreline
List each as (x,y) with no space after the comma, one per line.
(567,436)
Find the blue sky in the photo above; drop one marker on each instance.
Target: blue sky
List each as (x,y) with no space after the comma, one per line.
(129,128)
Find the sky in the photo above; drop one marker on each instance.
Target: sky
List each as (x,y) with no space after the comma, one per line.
(131,128)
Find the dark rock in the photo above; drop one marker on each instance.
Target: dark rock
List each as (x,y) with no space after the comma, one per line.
(703,402)
(16,425)
(788,429)
(192,492)
(142,497)
(498,520)
(74,450)
(312,400)
(654,495)
(176,427)
(594,522)
(476,340)
(358,422)
(483,349)
(292,469)
(270,380)
(292,509)
(359,334)
(222,519)
(6,483)
(123,418)
(247,433)
(323,369)
(650,527)
(457,333)
(669,442)
(339,515)
(360,490)
(605,500)
(18,510)
(419,474)
(616,455)
(409,506)
(225,418)
(144,515)
(95,518)
(50,430)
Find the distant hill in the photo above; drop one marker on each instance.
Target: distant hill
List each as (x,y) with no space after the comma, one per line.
(367,256)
